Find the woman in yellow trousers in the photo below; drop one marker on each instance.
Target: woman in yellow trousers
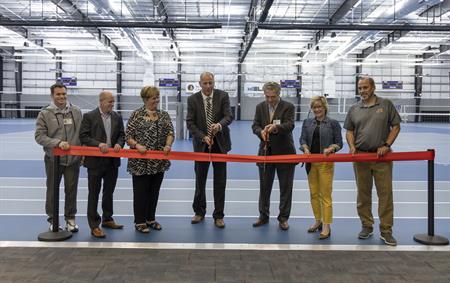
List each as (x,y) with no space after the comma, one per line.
(321,134)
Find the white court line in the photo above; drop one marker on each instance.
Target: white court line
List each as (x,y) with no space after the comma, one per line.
(227,189)
(233,201)
(228,180)
(228,216)
(220,246)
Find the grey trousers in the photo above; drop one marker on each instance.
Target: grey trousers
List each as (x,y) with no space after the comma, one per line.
(70,174)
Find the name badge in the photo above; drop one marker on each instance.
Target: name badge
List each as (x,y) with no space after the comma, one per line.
(276,122)
(68,121)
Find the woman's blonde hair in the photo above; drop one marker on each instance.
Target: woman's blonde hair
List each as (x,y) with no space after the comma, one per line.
(149,91)
(320,99)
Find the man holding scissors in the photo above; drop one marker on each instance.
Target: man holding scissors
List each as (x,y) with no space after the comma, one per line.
(273,124)
(208,117)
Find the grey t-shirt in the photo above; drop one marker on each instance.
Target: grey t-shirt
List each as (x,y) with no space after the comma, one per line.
(371,125)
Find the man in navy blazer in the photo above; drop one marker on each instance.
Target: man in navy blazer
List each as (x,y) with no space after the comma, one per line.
(102,128)
(216,139)
(273,124)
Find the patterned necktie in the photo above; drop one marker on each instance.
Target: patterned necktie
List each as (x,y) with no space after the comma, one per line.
(209,120)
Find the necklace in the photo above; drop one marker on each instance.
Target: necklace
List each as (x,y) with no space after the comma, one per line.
(151,115)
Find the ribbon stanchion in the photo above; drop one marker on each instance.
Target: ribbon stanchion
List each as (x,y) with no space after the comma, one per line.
(55,234)
(430,238)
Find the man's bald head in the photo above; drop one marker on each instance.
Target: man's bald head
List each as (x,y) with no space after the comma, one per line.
(105,94)
(106,100)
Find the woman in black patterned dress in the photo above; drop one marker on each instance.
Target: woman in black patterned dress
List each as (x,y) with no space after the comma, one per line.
(148,129)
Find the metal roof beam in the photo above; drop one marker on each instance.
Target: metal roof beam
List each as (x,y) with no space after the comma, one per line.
(442,48)
(248,40)
(71,9)
(162,13)
(346,7)
(380,44)
(17,29)
(356,27)
(115,24)
(436,10)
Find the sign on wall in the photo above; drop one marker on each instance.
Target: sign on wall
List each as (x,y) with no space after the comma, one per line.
(290,83)
(168,82)
(67,81)
(392,84)
(192,87)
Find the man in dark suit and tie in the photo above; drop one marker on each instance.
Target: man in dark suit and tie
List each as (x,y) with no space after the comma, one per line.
(102,128)
(207,119)
(273,124)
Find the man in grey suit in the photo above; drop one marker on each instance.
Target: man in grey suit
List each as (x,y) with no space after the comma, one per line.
(273,124)
(102,128)
(207,119)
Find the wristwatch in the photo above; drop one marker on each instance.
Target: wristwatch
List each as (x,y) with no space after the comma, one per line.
(387,145)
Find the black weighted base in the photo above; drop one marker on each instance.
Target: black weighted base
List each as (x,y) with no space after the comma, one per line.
(50,236)
(431,240)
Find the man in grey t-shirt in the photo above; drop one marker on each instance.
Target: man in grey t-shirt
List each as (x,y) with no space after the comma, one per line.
(372,125)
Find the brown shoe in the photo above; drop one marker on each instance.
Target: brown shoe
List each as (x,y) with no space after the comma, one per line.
(112,225)
(219,223)
(98,233)
(197,219)
(260,222)
(284,225)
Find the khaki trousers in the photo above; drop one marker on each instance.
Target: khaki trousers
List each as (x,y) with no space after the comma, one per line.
(365,174)
(320,179)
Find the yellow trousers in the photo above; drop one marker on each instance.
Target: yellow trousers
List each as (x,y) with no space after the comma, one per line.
(320,179)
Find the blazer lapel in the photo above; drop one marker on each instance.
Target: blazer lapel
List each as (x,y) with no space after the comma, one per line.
(216,104)
(201,109)
(113,125)
(266,117)
(102,126)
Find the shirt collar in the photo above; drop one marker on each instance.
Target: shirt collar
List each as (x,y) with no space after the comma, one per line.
(205,96)
(64,109)
(274,107)
(103,113)
(377,101)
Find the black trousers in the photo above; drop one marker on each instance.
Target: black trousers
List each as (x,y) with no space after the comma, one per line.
(219,184)
(108,174)
(285,173)
(145,196)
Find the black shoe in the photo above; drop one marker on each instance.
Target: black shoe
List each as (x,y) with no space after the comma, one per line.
(325,236)
(314,229)
(365,233)
(142,228)
(260,222)
(154,225)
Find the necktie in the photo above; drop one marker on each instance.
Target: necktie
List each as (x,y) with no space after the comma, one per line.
(209,117)
(271,112)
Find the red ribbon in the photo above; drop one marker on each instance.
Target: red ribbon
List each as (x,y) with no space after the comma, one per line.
(218,157)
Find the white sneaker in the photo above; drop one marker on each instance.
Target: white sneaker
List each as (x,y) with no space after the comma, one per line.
(71,226)
(50,228)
